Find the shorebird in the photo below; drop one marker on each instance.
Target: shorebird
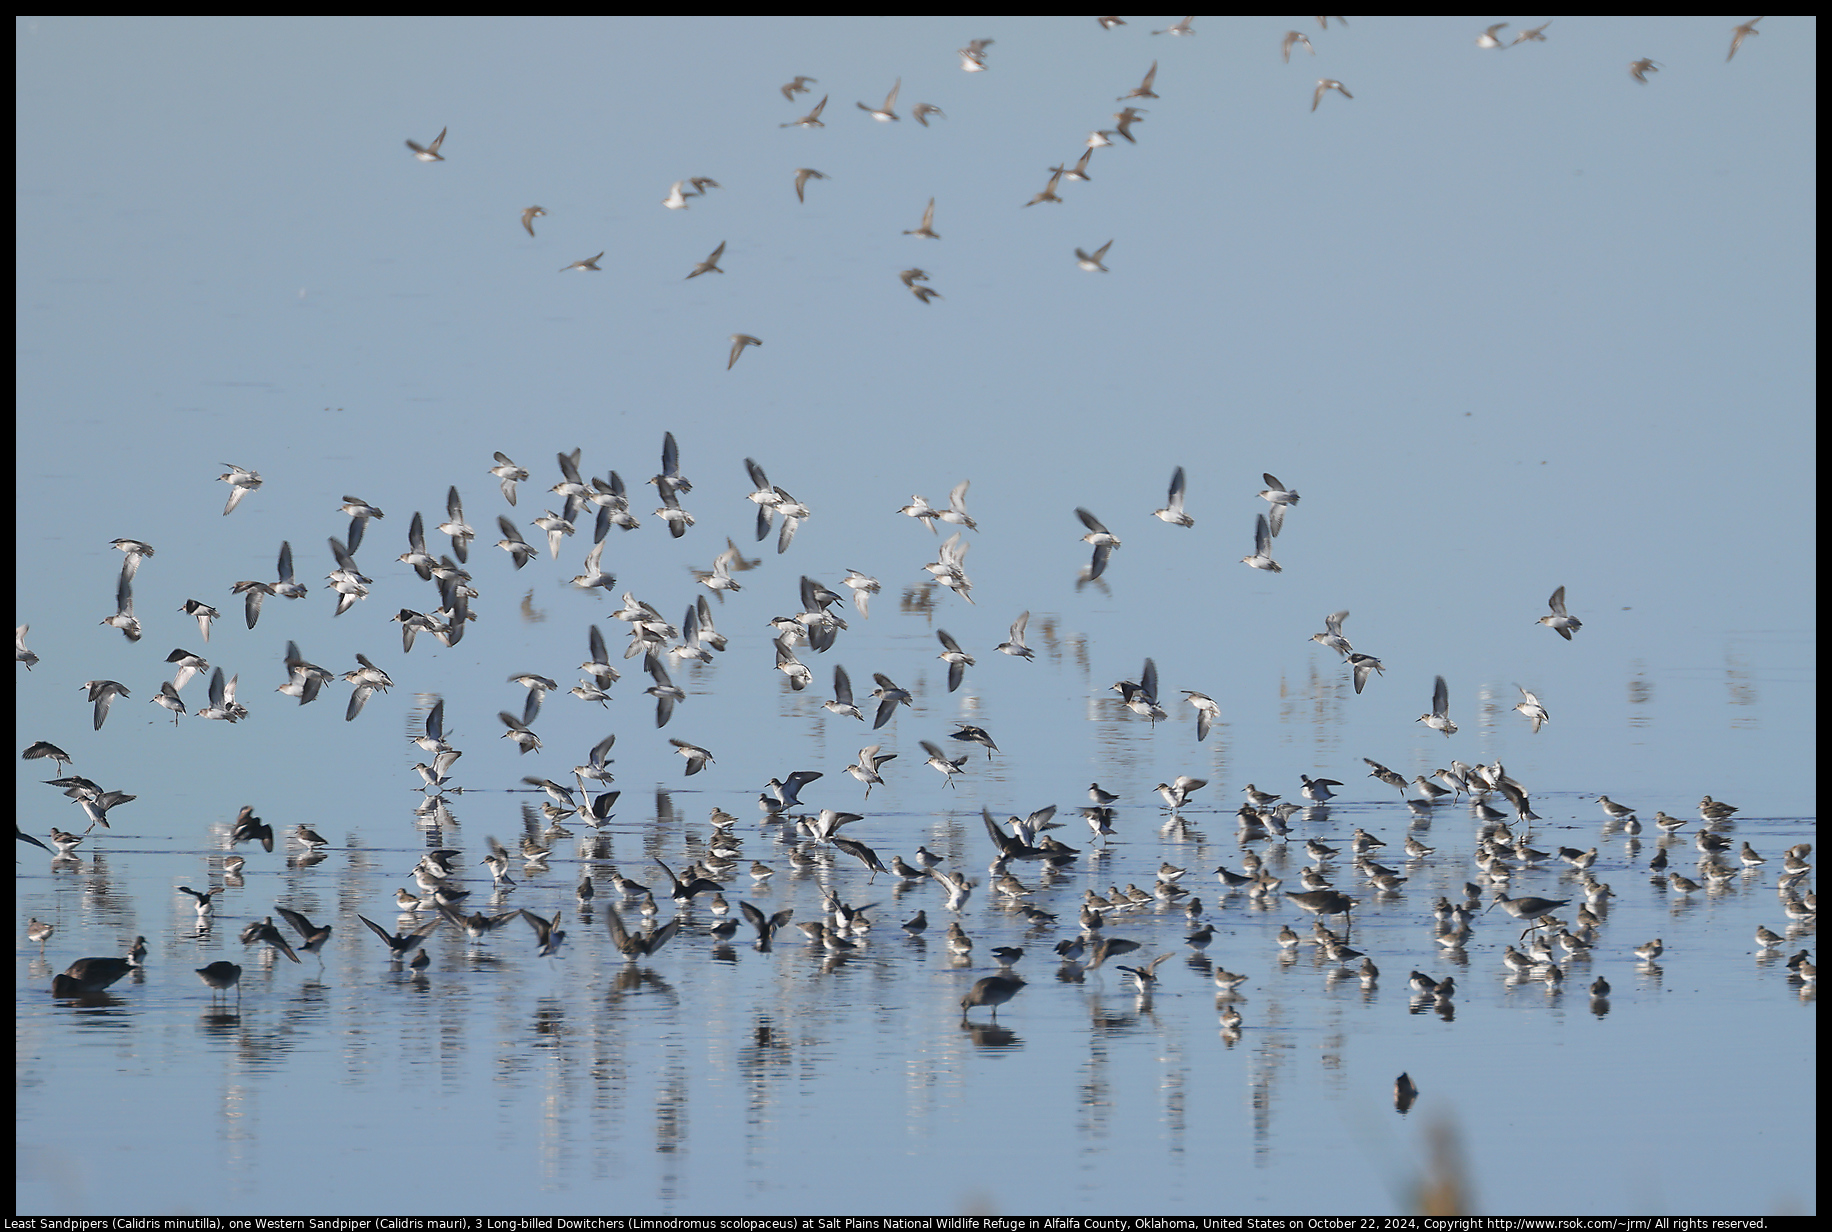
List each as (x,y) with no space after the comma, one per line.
(1173,505)
(1103,541)
(221,975)
(1639,70)
(1439,718)
(811,120)
(1560,623)
(1208,710)
(1739,34)
(529,215)
(739,342)
(428,153)
(1143,89)
(1324,903)
(710,265)
(1262,547)
(802,176)
(1535,35)
(992,991)
(884,114)
(1184,27)
(1092,263)
(1324,85)
(89,975)
(927,229)
(241,482)
(798,86)
(589,263)
(1488,38)
(1295,36)
(973,55)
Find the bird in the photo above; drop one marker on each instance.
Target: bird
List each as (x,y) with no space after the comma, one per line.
(1014,644)
(529,215)
(221,975)
(428,153)
(265,932)
(811,120)
(1639,70)
(549,936)
(975,735)
(802,176)
(992,991)
(884,114)
(958,660)
(1362,665)
(1295,36)
(1561,623)
(973,55)
(39,932)
(1207,711)
(1092,263)
(1739,34)
(1532,710)
(103,693)
(710,265)
(1176,793)
(1488,39)
(1324,85)
(400,945)
(739,342)
(866,769)
(1262,547)
(1143,89)
(927,229)
(1279,497)
(1439,718)
(676,199)
(798,86)
(1049,192)
(590,263)
(697,758)
(1184,27)
(1103,541)
(89,975)
(1173,505)
(1534,35)
(638,945)
(922,111)
(241,482)
(313,936)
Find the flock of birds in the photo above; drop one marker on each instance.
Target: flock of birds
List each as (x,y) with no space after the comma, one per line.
(810,837)
(973,57)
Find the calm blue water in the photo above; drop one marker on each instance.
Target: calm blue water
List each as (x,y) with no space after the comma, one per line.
(1494,357)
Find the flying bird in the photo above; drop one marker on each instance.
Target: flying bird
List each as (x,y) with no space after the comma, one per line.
(739,342)
(710,265)
(884,114)
(802,176)
(1324,85)
(428,153)
(1103,541)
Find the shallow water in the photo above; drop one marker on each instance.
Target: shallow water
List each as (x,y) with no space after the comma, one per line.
(275,282)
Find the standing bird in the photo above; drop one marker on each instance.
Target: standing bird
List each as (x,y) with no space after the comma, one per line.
(993,991)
